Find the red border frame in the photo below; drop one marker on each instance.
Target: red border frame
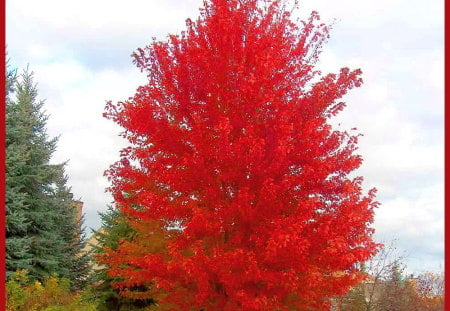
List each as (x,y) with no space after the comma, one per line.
(446,169)
(3,168)
(3,164)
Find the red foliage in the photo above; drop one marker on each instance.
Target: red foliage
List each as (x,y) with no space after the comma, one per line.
(230,145)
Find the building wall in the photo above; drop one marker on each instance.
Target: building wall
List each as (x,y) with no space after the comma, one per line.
(79,206)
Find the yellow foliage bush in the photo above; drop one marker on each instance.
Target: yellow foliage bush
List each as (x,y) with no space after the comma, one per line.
(52,295)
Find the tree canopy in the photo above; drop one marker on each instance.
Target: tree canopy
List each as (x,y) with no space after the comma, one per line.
(231,152)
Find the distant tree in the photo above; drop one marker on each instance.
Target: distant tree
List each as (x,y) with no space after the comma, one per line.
(42,236)
(430,286)
(400,293)
(388,288)
(232,154)
(379,270)
(408,293)
(392,293)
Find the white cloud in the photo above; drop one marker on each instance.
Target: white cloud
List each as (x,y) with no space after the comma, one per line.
(436,74)
(417,224)
(64,73)
(100,14)
(99,33)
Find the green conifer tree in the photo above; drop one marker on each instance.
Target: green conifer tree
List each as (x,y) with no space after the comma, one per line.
(114,228)
(43,235)
(75,262)
(29,178)
(17,242)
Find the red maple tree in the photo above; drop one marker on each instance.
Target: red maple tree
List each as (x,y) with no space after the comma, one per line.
(231,150)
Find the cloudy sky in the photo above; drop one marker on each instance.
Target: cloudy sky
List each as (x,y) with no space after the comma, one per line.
(80,54)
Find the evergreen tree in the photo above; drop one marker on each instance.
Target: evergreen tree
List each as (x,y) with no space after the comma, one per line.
(113,230)
(29,178)
(42,233)
(75,262)
(17,242)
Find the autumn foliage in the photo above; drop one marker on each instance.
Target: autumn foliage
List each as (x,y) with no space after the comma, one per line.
(231,153)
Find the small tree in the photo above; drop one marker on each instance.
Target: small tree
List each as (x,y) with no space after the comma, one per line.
(381,269)
(387,288)
(231,151)
(400,293)
(114,230)
(430,286)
